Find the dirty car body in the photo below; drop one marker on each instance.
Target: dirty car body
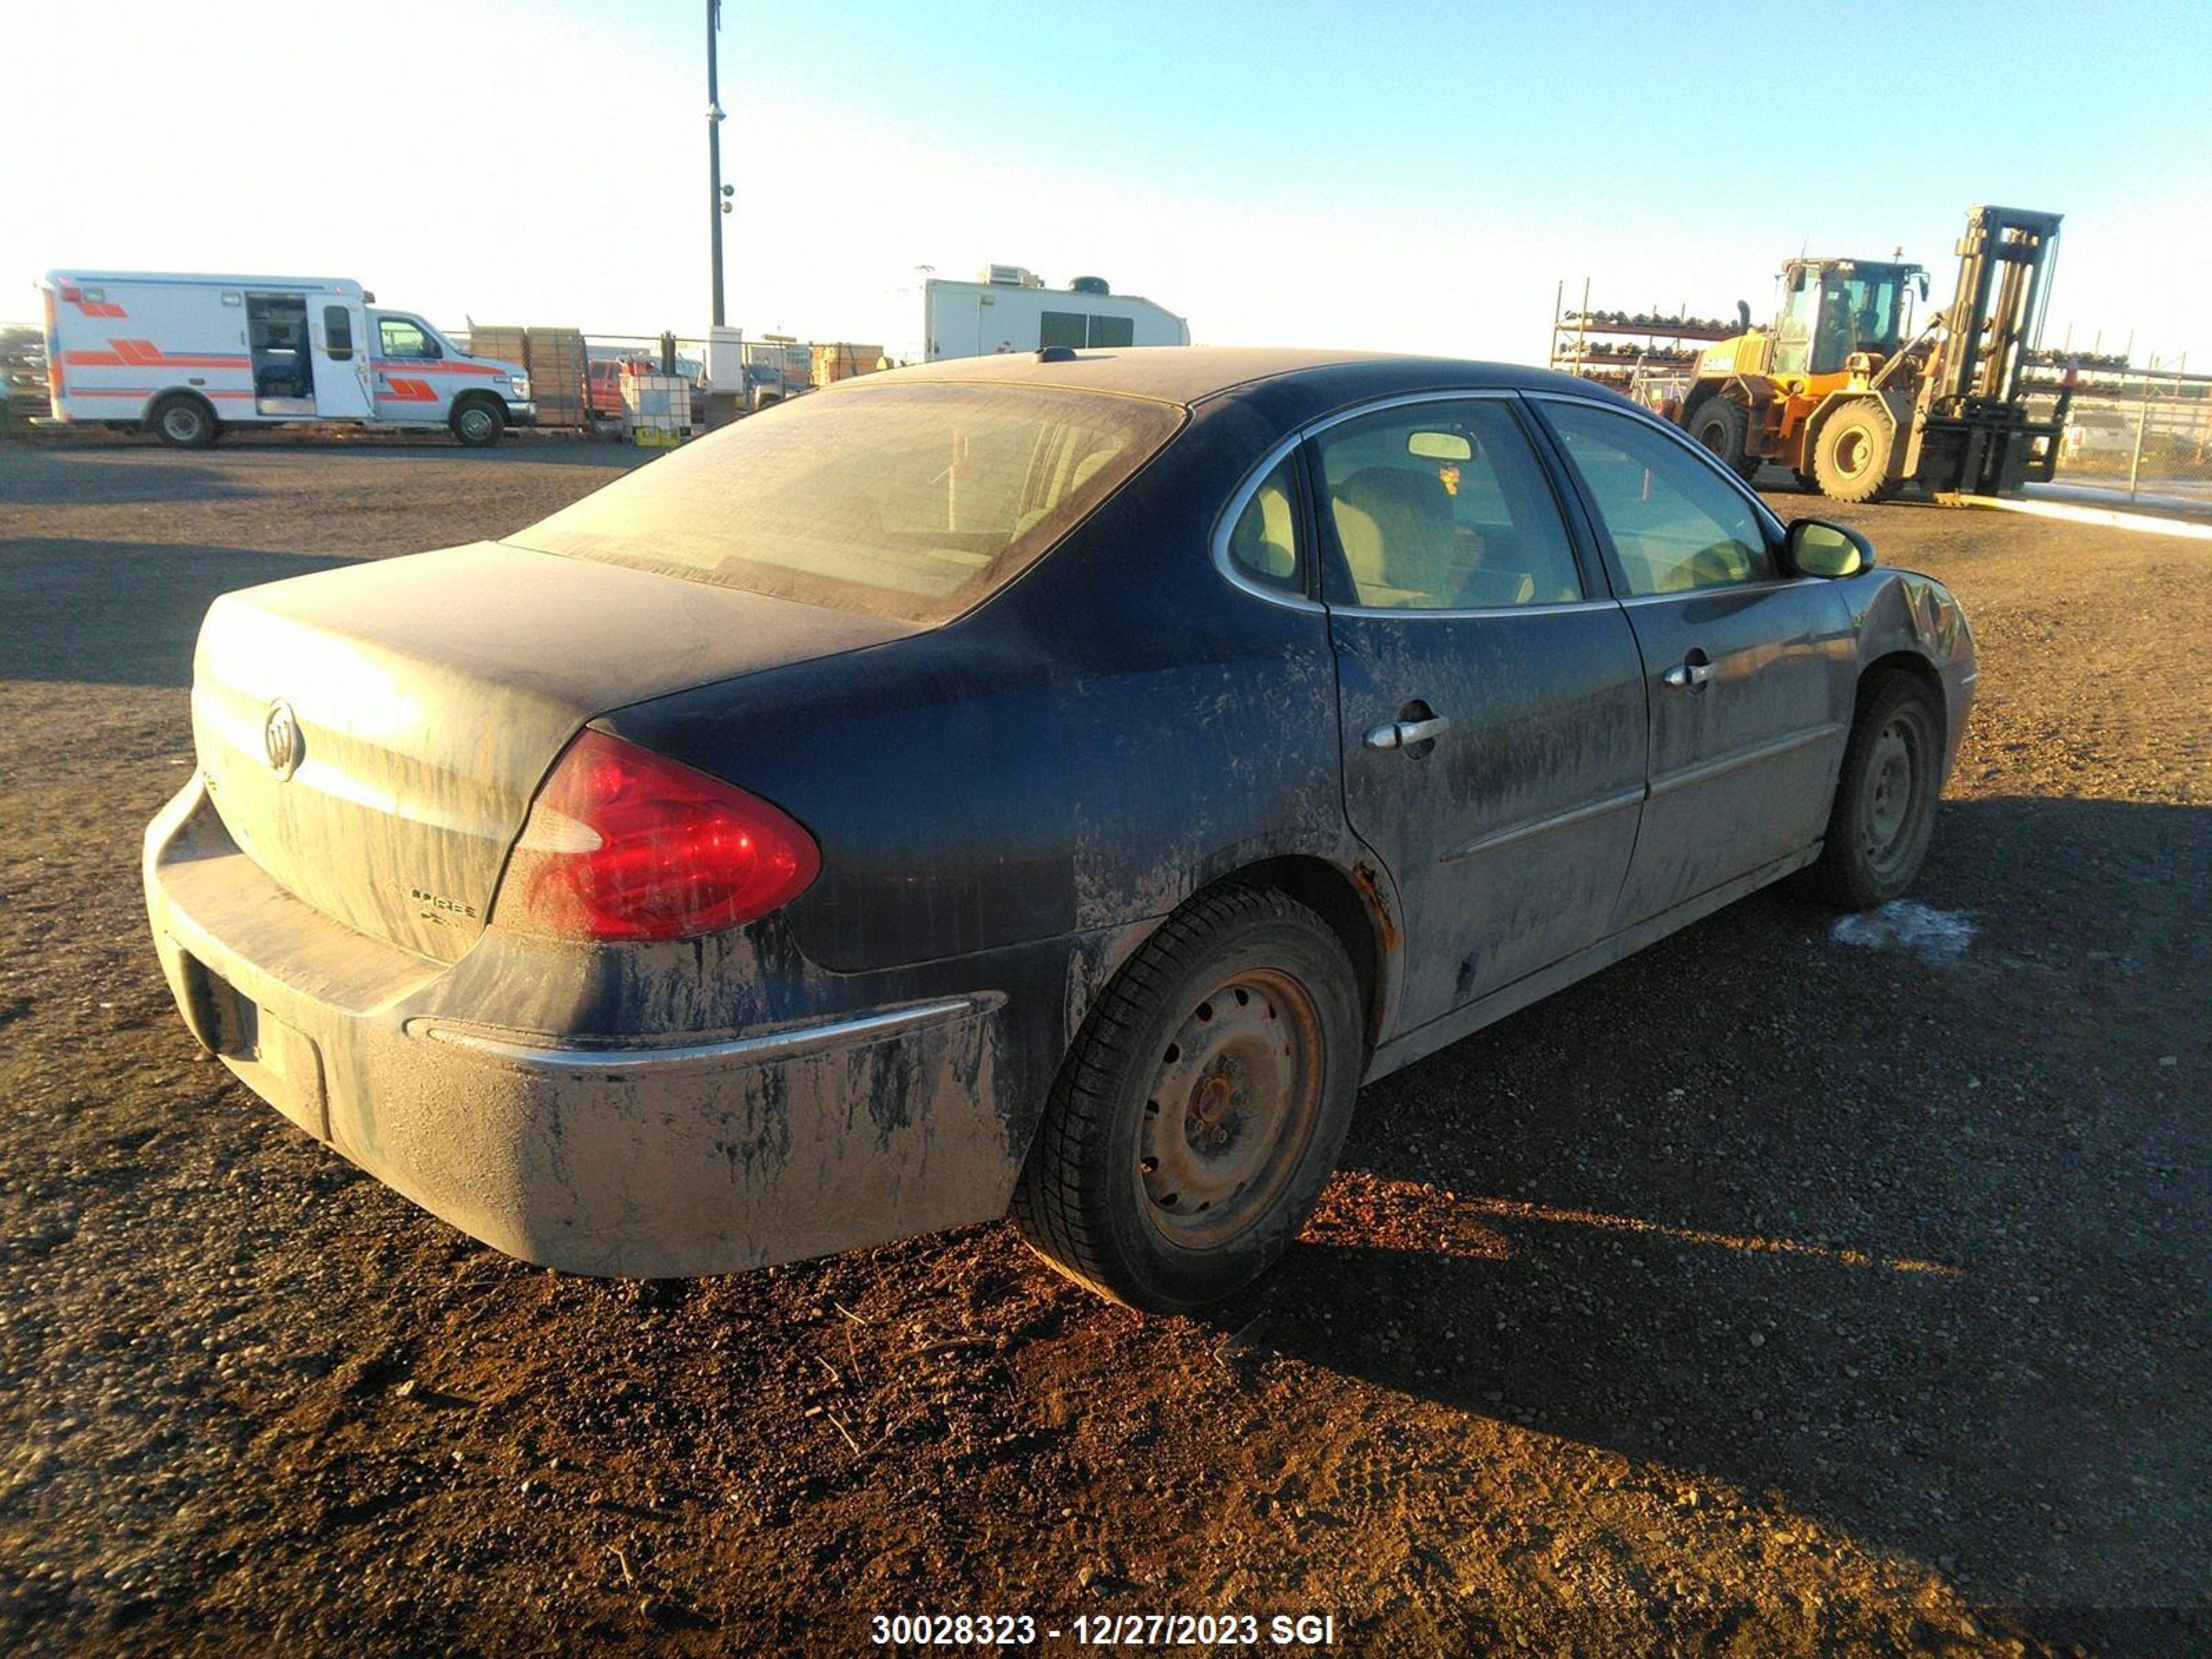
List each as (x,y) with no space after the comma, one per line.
(1211,657)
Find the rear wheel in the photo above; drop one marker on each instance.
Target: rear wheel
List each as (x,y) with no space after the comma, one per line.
(477,423)
(1722,425)
(1885,810)
(185,422)
(1201,1107)
(1855,458)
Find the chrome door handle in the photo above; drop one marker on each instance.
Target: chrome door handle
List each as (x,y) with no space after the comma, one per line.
(1404,734)
(1688,675)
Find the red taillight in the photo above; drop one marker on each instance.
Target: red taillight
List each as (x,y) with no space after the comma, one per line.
(622,844)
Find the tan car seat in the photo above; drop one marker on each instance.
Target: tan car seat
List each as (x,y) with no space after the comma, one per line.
(1395,528)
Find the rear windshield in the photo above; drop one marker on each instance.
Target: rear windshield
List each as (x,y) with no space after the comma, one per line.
(909,501)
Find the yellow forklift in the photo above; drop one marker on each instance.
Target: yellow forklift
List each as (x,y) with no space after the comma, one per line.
(1836,391)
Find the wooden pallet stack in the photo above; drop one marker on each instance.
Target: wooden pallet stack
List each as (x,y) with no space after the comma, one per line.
(552,358)
(843,360)
(555,362)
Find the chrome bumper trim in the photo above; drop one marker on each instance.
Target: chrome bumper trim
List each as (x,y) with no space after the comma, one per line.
(541,1054)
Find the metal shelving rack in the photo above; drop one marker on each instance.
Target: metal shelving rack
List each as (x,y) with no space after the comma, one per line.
(1636,353)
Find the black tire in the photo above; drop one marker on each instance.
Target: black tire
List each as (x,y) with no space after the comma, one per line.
(1805,480)
(184,421)
(1236,1026)
(1885,810)
(1722,425)
(1855,458)
(478,422)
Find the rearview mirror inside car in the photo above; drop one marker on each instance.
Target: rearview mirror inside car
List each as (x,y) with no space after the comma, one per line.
(1439,446)
(1817,548)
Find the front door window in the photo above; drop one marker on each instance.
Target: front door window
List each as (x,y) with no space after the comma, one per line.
(1675,524)
(406,341)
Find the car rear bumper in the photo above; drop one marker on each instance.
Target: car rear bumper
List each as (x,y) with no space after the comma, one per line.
(691,1154)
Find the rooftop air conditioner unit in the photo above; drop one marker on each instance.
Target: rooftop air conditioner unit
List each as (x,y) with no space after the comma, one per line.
(1010,276)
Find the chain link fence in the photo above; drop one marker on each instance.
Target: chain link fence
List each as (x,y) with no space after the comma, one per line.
(775,367)
(2143,437)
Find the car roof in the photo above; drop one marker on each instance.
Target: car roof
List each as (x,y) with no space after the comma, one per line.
(1189,376)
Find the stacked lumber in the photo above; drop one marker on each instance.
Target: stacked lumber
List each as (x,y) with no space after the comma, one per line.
(552,358)
(844,360)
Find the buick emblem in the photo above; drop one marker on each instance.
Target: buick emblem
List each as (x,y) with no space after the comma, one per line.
(280,738)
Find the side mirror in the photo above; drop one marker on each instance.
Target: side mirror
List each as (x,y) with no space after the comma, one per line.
(1743,314)
(1814,547)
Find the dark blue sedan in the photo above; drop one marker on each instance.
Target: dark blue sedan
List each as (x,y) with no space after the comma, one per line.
(1055,783)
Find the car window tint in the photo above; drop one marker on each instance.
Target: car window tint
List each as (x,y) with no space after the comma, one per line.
(1263,543)
(1443,505)
(910,501)
(1676,525)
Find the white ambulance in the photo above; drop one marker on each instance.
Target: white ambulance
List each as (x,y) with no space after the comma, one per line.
(189,356)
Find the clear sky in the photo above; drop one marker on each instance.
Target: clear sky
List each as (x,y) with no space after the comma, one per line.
(1404,176)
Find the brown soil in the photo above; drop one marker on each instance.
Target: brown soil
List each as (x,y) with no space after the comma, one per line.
(1766,1293)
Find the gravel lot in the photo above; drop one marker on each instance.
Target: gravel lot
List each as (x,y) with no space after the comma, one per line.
(1770,1292)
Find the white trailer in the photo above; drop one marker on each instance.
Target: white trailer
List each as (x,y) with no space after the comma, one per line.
(189,356)
(1009,309)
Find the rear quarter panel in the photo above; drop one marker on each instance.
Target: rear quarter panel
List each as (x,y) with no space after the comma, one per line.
(1081,751)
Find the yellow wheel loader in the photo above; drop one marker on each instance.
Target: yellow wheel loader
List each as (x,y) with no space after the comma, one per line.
(1836,391)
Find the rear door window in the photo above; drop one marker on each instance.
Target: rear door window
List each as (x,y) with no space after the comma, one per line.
(1443,505)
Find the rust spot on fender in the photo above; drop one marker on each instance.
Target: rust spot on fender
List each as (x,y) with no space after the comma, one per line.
(1369,884)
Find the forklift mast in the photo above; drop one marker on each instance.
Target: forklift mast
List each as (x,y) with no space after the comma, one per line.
(2005,262)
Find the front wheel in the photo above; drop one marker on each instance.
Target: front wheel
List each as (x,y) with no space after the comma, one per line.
(1201,1107)
(1723,426)
(1884,809)
(1856,456)
(477,425)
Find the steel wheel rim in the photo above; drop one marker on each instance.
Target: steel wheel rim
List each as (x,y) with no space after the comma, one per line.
(1230,1110)
(1714,435)
(475,422)
(180,423)
(1851,449)
(1889,816)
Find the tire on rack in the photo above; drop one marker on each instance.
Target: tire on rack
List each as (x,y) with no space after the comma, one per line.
(478,420)
(1201,1106)
(1723,425)
(1885,807)
(184,420)
(1855,459)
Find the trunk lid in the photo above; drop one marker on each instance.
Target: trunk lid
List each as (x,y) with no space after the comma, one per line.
(430,695)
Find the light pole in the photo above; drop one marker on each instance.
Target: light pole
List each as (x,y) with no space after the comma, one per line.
(717,206)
